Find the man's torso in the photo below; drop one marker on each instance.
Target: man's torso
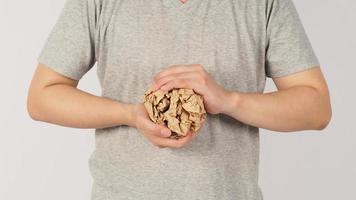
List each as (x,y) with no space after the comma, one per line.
(134,40)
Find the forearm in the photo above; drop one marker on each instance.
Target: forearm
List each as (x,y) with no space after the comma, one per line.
(68,106)
(294,109)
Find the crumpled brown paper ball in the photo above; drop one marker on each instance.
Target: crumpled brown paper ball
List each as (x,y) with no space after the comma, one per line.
(180,110)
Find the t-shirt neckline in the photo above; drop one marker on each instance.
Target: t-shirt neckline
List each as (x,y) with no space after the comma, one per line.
(180,5)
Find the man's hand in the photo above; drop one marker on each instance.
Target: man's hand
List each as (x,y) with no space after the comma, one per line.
(155,133)
(302,101)
(197,78)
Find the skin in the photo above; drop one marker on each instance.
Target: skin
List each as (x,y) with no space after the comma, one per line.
(301,103)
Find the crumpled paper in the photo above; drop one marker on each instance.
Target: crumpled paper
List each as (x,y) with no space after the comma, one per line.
(180,110)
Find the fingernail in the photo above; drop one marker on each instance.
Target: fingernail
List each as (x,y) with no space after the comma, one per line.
(165,132)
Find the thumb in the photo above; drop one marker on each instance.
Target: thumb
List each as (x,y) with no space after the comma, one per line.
(164,131)
(156,129)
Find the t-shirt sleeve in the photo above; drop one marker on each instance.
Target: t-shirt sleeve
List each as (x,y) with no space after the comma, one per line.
(288,48)
(69,49)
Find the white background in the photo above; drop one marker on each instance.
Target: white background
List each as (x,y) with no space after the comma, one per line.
(41,161)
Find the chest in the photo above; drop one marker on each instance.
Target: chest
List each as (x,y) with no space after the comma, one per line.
(147,37)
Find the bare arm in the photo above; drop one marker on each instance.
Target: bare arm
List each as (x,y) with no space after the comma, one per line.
(54,98)
(302,102)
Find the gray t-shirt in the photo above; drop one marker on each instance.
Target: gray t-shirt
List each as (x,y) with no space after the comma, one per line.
(239,42)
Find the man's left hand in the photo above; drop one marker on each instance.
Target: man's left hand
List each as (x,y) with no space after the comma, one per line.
(216,98)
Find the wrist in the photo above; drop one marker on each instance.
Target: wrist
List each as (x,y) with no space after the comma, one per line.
(124,114)
(232,102)
(131,115)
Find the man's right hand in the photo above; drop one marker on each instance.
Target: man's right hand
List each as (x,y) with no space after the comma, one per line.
(155,133)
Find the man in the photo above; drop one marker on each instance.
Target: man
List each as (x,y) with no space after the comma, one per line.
(222,49)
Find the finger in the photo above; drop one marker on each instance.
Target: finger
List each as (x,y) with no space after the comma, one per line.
(175,69)
(155,129)
(183,83)
(183,75)
(173,143)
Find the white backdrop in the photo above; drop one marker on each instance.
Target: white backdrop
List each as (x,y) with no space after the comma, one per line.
(40,161)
